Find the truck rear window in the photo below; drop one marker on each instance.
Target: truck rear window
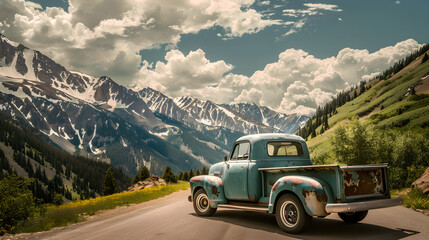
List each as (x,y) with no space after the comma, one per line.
(278,149)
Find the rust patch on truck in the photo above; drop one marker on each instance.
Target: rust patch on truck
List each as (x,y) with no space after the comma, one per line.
(197,179)
(294,180)
(214,191)
(297,181)
(363,182)
(276,185)
(252,199)
(214,179)
(316,203)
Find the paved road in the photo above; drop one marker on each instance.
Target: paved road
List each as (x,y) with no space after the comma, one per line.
(173,218)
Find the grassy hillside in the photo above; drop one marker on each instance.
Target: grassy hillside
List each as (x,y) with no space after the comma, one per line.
(387,104)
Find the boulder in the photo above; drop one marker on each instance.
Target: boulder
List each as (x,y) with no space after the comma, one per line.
(149,182)
(423,182)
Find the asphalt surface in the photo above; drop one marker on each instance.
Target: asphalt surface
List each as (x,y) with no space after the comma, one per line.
(173,217)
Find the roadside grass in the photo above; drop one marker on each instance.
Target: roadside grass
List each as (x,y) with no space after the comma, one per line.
(73,212)
(413,198)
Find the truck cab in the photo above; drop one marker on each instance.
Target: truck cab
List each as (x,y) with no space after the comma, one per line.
(274,173)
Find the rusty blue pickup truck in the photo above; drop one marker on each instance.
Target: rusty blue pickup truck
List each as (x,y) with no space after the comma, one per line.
(274,173)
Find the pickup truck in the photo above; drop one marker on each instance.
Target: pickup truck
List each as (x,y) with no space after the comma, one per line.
(274,173)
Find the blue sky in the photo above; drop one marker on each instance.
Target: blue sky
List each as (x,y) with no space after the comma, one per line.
(276,53)
(365,25)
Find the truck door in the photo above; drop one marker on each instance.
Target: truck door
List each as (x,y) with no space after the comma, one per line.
(235,172)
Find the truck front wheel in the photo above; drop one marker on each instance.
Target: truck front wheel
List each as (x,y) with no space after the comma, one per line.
(201,204)
(353,217)
(290,214)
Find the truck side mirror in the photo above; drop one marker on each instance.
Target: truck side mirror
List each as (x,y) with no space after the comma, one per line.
(225,158)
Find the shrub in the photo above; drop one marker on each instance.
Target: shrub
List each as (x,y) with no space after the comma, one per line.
(353,144)
(407,153)
(58,199)
(16,203)
(416,199)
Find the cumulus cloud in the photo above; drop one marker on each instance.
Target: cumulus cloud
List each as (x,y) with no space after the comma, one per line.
(297,82)
(182,73)
(102,37)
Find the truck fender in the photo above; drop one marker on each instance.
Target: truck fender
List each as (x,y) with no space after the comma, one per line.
(212,185)
(314,193)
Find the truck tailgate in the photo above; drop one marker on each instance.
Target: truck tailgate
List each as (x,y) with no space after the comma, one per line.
(365,181)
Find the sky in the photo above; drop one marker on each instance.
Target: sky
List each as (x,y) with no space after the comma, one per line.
(290,55)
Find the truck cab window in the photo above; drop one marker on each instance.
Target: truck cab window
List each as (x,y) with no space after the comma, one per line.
(278,149)
(241,151)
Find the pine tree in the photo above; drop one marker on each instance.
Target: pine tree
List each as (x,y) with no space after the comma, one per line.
(110,186)
(204,171)
(141,175)
(313,133)
(425,58)
(362,87)
(197,173)
(325,122)
(169,176)
(185,176)
(191,174)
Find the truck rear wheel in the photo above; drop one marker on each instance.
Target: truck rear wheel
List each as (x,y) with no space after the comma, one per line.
(291,215)
(201,204)
(353,217)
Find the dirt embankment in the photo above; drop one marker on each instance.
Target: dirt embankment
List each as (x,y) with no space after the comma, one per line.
(149,182)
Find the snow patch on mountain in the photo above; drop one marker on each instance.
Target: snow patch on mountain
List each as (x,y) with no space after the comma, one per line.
(124,143)
(94,150)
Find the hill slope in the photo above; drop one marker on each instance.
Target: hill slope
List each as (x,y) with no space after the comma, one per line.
(398,104)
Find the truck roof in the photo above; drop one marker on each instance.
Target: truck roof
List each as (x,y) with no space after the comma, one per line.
(270,136)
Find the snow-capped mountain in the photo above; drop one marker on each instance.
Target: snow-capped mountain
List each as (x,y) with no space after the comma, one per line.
(247,118)
(86,115)
(98,117)
(279,121)
(198,113)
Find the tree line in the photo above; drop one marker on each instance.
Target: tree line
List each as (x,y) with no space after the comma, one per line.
(186,176)
(401,64)
(320,118)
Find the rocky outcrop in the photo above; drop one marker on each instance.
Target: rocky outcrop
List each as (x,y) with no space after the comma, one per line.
(149,182)
(423,182)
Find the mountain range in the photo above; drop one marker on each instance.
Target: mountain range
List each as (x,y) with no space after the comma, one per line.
(100,119)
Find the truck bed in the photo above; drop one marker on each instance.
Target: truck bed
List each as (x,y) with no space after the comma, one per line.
(348,184)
